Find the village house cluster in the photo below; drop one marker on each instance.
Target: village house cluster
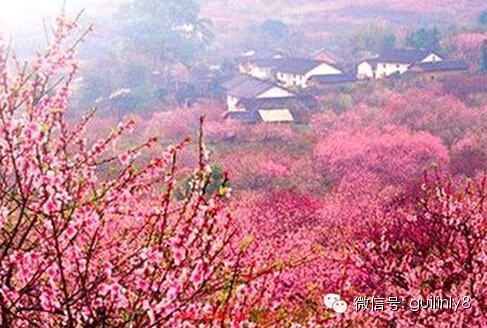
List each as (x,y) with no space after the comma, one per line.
(272,87)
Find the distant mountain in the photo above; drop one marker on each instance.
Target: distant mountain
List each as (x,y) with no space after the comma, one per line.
(322,18)
(296,9)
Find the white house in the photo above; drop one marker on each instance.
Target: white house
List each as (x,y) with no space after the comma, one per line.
(260,65)
(396,61)
(248,87)
(260,68)
(295,72)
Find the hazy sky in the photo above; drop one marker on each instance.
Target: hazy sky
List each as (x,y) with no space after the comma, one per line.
(22,14)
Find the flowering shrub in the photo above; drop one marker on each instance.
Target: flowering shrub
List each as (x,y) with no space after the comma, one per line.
(469,156)
(288,228)
(91,236)
(100,230)
(394,156)
(434,248)
(442,115)
(468,46)
(269,133)
(177,123)
(263,168)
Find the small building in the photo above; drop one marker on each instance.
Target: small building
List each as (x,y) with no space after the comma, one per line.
(260,68)
(260,65)
(394,62)
(296,72)
(294,109)
(431,71)
(248,87)
(335,79)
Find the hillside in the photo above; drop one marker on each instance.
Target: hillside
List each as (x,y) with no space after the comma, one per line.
(323,20)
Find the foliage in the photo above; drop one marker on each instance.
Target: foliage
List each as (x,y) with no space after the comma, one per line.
(273,35)
(424,39)
(483,18)
(103,228)
(464,87)
(338,104)
(373,38)
(168,30)
(468,46)
(469,157)
(186,93)
(395,156)
(217,184)
(91,235)
(179,122)
(431,248)
(275,30)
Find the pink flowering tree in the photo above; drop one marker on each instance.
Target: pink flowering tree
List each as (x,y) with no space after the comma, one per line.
(427,250)
(94,237)
(469,157)
(393,155)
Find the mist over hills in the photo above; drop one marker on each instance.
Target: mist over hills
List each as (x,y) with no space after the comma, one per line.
(327,21)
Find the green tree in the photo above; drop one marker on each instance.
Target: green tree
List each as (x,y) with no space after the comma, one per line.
(273,35)
(217,179)
(483,18)
(373,38)
(186,93)
(424,38)
(274,29)
(168,30)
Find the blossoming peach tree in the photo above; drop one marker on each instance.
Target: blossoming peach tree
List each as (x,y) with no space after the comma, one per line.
(89,238)
(428,250)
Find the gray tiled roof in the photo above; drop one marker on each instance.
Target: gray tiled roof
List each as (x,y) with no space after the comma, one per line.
(244,116)
(299,66)
(300,102)
(235,81)
(246,86)
(250,89)
(444,65)
(268,62)
(334,78)
(405,56)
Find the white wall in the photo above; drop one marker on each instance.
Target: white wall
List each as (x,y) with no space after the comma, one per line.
(297,80)
(364,71)
(243,68)
(387,69)
(432,58)
(232,103)
(291,80)
(323,69)
(261,73)
(255,71)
